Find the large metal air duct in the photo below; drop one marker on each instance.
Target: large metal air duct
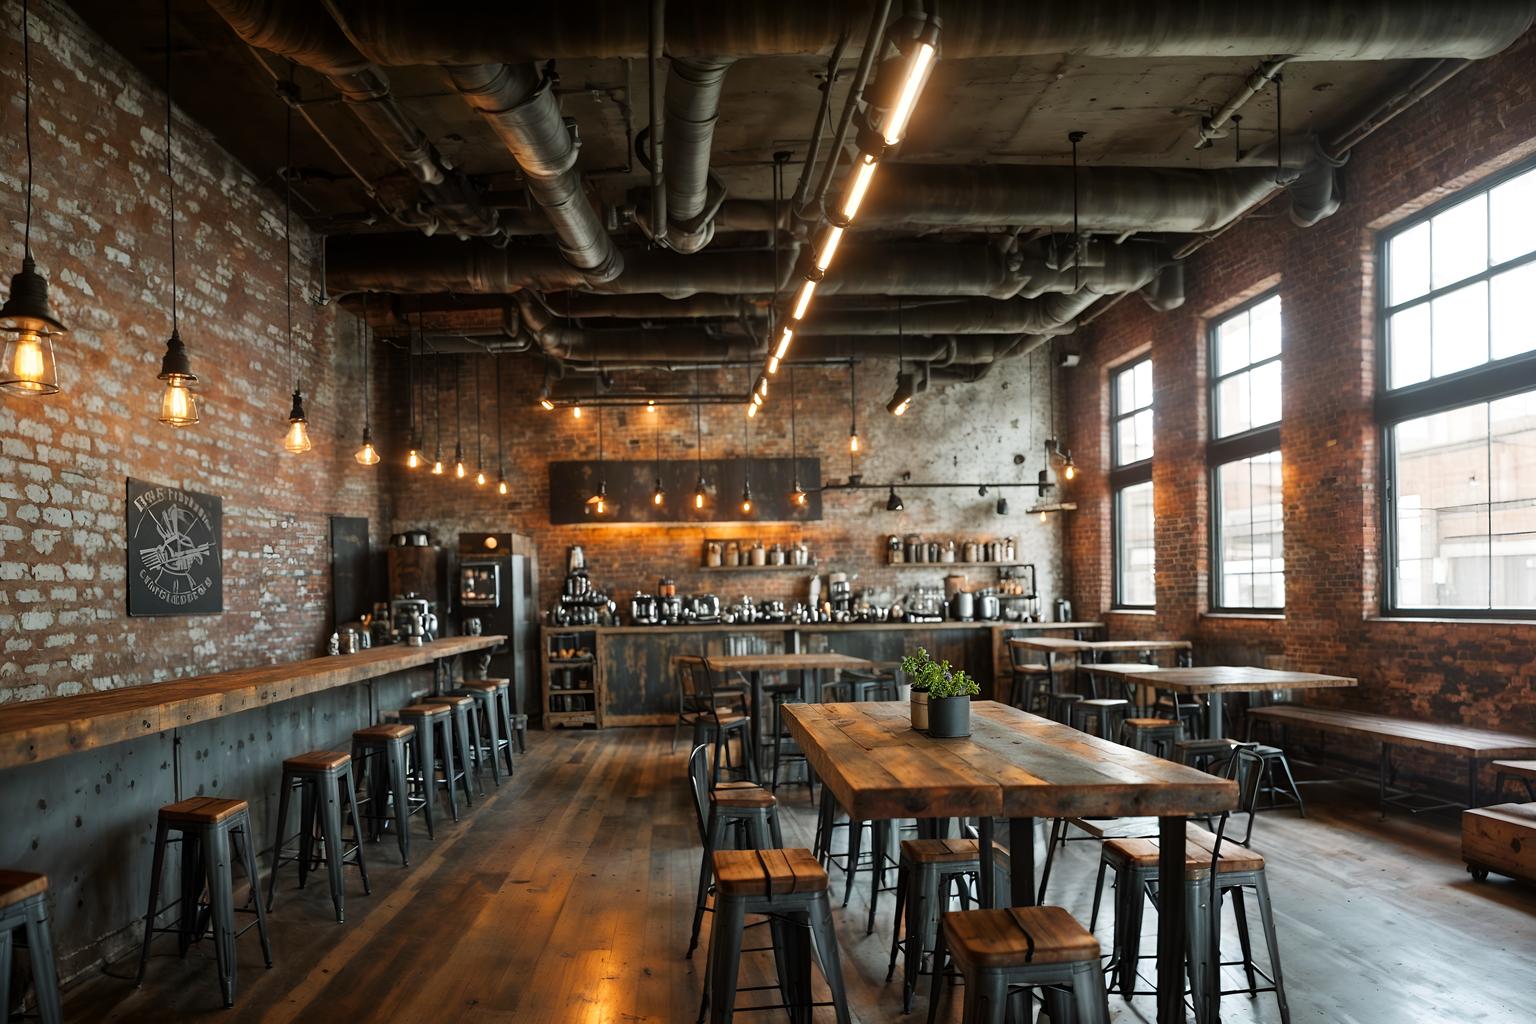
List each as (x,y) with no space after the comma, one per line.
(305,34)
(693,107)
(520,106)
(472,32)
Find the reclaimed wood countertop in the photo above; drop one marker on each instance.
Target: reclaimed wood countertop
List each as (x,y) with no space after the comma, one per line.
(39,730)
(820,627)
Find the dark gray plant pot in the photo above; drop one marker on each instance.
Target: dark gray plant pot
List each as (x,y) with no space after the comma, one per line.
(949,717)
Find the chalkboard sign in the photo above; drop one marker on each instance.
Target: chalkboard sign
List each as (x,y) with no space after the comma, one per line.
(175,551)
(351,585)
(631,485)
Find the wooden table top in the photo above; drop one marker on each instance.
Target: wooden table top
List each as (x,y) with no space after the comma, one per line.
(1050,644)
(1013,764)
(42,729)
(1121,668)
(1062,645)
(1445,738)
(1140,645)
(1243,679)
(785,662)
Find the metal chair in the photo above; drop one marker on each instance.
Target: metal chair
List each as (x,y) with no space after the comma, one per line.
(742,812)
(928,869)
(24,906)
(1031,680)
(324,781)
(710,713)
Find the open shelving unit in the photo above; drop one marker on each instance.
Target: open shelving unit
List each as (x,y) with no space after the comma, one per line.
(572,686)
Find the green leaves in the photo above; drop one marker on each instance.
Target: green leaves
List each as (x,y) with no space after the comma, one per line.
(937,678)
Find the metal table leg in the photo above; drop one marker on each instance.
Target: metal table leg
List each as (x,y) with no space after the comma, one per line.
(1213,713)
(986,889)
(1021,862)
(1170,922)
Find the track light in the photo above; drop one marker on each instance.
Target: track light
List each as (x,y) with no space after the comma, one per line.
(894,503)
(906,390)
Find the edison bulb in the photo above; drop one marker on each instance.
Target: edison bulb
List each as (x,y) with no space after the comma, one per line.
(367,455)
(853,442)
(297,438)
(29,367)
(502,488)
(437,466)
(480,478)
(413,459)
(178,406)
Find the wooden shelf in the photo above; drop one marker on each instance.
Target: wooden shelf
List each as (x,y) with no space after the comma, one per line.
(569,662)
(953,565)
(756,568)
(558,692)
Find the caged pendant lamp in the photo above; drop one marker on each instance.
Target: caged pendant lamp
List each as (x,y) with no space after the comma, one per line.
(296,440)
(178,405)
(26,318)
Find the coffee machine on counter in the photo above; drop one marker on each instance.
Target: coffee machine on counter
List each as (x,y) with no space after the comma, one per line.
(580,604)
(495,595)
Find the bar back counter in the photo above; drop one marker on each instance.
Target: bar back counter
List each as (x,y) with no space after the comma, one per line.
(82,777)
(622,675)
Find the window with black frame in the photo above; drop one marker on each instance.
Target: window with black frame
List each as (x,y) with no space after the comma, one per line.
(1132,522)
(1457,404)
(1247,511)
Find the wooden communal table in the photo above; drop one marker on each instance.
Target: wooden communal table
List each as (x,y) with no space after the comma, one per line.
(42,729)
(1093,650)
(1017,766)
(810,667)
(1216,680)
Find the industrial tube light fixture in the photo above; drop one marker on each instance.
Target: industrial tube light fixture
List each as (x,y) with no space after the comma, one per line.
(828,249)
(29,368)
(803,299)
(784,339)
(862,176)
(919,65)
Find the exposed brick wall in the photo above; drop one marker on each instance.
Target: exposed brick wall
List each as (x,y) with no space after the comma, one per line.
(1480,673)
(959,433)
(99,234)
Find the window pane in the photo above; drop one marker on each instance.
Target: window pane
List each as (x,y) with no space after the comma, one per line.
(1135,580)
(1133,413)
(1232,406)
(1264,330)
(1232,344)
(1441,483)
(1143,376)
(1125,392)
(1512,486)
(1513,329)
(1408,261)
(1460,241)
(1408,332)
(1512,212)
(1264,394)
(1250,534)
(1460,329)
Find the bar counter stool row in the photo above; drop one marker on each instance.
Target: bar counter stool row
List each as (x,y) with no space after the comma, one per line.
(440,742)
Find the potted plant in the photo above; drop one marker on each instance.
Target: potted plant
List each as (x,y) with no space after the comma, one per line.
(949,703)
(920,671)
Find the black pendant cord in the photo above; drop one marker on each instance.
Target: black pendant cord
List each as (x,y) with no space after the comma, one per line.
(778,201)
(458,410)
(410,382)
(479,434)
(170,178)
(287,227)
(437,403)
(794,447)
(421,345)
(746,433)
(901,362)
(26,107)
(362,332)
(698,422)
(501,465)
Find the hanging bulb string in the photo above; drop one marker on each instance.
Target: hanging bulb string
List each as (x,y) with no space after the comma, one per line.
(26,106)
(287,222)
(170,178)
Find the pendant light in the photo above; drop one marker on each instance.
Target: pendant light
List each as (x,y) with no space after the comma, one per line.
(746,487)
(797,495)
(413,459)
(599,501)
(480,477)
(700,495)
(853,410)
(459,469)
(178,405)
(546,400)
(367,455)
(659,495)
(26,319)
(906,383)
(501,466)
(894,503)
(297,438)
(437,411)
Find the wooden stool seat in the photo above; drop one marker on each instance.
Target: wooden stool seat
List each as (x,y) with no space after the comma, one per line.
(450,700)
(424,709)
(479,685)
(940,851)
(755,796)
(1150,723)
(317,761)
(768,872)
(1104,702)
(1017,936)
(725,718)
(1143,853)
(16,886)
(383,733)
(202,810)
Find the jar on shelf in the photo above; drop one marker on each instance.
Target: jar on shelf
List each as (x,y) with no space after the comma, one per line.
(713,555)
(732,553)
(776,554)
(895,554)
(759,554)
(968,553)
(947,554)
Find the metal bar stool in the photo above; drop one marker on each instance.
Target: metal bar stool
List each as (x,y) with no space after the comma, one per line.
(997,951)
(211,830)
(791,889)
(382,754)
(434,743)
(490,739)
(323,779)
(1058,706)
(742,808)
(24,905)
(1157,736)
(927,869)
(785,750)
(511,731)
(465,739)
(1104,713)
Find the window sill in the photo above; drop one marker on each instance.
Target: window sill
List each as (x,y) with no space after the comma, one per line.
(1132,611)
(1450,620)
(1260,616)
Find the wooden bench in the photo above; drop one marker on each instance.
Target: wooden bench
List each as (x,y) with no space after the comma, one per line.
(1476,746)
(1500,838)
(1525,771)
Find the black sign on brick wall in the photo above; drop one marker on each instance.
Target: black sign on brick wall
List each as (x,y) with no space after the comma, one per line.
(175,551)
(632,483)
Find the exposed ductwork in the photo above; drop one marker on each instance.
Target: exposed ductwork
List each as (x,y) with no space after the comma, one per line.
(469,32)
(305,34)
(1110,199)
(520,106)
(693,107)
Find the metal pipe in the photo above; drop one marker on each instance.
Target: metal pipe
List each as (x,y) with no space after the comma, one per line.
(520,106)
(872,44)
(1211,127)
(818,128)
(656,133)
(692,108)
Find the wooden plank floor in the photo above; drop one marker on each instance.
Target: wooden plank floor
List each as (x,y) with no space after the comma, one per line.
(565,897)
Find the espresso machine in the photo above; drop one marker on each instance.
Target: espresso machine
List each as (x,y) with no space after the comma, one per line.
(495,583)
